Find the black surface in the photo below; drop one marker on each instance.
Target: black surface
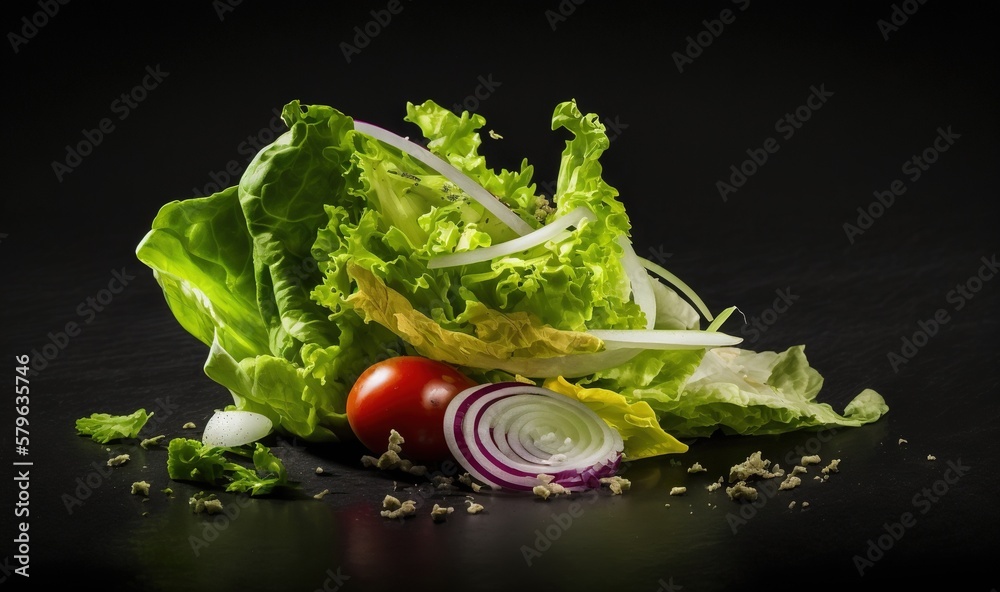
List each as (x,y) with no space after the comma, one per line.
(677,133)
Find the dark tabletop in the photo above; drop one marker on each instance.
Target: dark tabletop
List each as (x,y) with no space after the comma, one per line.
(873,215)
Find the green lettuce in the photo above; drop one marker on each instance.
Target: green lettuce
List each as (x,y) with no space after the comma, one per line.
(104,427)
(315,266)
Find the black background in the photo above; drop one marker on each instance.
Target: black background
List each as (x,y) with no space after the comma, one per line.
(675,135)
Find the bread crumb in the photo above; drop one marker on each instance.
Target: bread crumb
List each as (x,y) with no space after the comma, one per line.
(742,491)
(118,460)
(474,508)
(202,502)
(321,494)
(931,457)
(813,459)
(495,135)
(547,488)
(753,467)
(319,470)
(799,469)
(466,479)
(393,508)
(666,505)
(805,505)
(715,485)
(616,484)
(189,426)
(140,488)
(902,441)
(790,482)
(147,442)
(391,459)
(439,513)
(791,505)
(697,468)
(833,467)
(678,490)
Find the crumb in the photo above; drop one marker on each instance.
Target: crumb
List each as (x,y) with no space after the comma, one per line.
(547,488)
(666,505)
(810,460)
(474,508)
(902,441)
(777,471)
(167,491)
(805,505)
(144,514)
(495,135)
(931,457)
(742,491)
(321,494)
(799,469)
(319,470)
(118,460)
(391,459)
(466,479)
(439,513)
(443,483)
(154,441)
(140,488)
(189,426)
(678,490)
(617,484)
(790,482)
(713,486)
(674,462)
(753,467)
(200,502)
(791,505)
(817,478)
(393,508)
(697,468)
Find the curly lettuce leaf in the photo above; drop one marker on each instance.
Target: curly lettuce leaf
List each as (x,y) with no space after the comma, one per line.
(104,427)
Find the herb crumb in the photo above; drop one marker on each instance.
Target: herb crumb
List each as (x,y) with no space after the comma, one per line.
(813,459)
(790,482)
(678,490)
(189,426)
(118,460)
(697,468)
(154,441)
(439,513)
(140,488)
(931,457)
(742,491)
(321,494)
(616,484)
(902,441)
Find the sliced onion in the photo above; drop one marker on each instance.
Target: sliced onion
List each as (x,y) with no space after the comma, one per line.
(471,187)
(679,284)
(507,434)
(235,428)
(522,243)
(664,338)
(642,289)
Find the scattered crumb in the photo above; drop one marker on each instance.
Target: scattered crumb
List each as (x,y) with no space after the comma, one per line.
(167,491)
(902,441)
(742,491)
(810,460)
(790,482)
(443,483)
(154,441)
(805,505)
(439,513)
(547,488)
(474,508)
(617,484)
(495,135)
(391,459)
(791,505)
(697,468)
(319,470)
(678,490)
(118,460)
(144,514)
(799,469)
(817,478)
(466,479)
(931,457)
(674,462)
(393,508)
(208,503)
(715,485)
(189,426)
(321,494)
(753,467)
(666,505)
(140,488)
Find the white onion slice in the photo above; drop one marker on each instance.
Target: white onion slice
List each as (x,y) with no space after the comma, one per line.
(235,428)
(522,243)
(679,284)
(467,184)
(507,434)
(642,290)
(664,338)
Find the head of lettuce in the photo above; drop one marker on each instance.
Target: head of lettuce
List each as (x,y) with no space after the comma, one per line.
(315,266)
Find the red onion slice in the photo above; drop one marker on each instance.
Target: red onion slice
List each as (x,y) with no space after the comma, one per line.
(507,434)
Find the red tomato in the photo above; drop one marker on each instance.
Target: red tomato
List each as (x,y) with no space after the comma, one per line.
(408,394)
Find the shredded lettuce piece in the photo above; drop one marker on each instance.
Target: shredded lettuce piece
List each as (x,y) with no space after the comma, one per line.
(104,427)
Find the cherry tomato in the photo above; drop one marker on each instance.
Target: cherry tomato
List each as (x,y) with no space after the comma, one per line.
(408,394)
